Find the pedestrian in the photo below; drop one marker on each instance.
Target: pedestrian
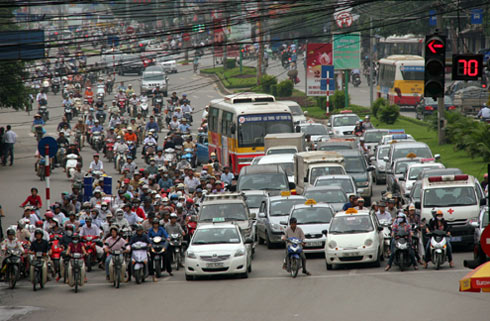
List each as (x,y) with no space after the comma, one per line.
(2,215)
(9,139)
(2,133)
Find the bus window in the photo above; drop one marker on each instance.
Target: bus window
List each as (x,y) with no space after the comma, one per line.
(213,119)
(251,134)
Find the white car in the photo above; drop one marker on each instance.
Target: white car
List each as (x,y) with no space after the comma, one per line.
(412,173)
(286,161)
(169,63)
(343,124)
(354,237)
(313,219)
(317,131)
(217,249)
(344,181)
(388,139)
(298,115)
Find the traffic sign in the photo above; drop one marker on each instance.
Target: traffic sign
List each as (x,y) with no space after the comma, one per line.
(347,51)
(186,37)
(485,240)
(130,30)
(467,67)
(49,141)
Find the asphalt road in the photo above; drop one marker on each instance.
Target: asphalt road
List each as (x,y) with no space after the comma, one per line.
(353,293)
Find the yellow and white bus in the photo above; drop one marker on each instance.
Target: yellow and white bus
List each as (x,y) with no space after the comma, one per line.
(238,123)
(401,79)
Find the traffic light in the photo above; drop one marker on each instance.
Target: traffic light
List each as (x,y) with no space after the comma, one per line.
(435,65)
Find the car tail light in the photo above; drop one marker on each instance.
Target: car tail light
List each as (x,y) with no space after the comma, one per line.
(429,108)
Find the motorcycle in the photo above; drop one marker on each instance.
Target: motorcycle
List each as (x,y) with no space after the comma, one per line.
(69,113)
(170,155)
(121,103)
(402,250)
(117,268)
(40,169)
(109,149)
(148,152)
(43,111)
(89,242)
(438,248)
(176,242)
(39,132)
(46,85)
(188,117)
(56,251)
(133,109)
(97,141)
(77,106)
(100,115)
(71,164)
(158,248)
(12,262)
(132,149)
(76,273)
(139,256)
(39,271)
(55,86)
(356,80)
(79,139)
(121,159)
(294,250)
(144,107)
(386,237)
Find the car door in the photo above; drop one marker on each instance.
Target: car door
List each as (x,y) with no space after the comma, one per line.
(261,220)
(379,233)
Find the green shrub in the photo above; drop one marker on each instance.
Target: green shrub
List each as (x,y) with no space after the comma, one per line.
(337,100)
(274,90)
(230,63)
(389,114)
(377,104)
(285,88)
(267,81)
(321,102)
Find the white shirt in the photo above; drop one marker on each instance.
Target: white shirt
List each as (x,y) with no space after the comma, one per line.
(149,139)
(186,108)
(484,112)
(10,137)
(386,216)
(96,166)
(227,177)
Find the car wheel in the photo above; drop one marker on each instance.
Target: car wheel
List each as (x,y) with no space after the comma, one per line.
(268,241)
(244,275)
(260,239)
(189,277)
(329,266)
(377,263)
(249,269)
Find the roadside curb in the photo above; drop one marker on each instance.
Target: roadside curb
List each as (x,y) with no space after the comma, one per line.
(219,84)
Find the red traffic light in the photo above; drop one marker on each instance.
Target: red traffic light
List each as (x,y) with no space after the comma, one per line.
(435,46)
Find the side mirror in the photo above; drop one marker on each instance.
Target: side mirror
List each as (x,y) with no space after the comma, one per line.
(325,232)
(249,240)
(251,216)
(298,129)
(328,124)
(305,113)
(402,178)
(283,223)
(417,205)
(370,168)
(483,202)
(233,128)
(305,180)
(372,159)
(292,185)
(437,157)
(262,215)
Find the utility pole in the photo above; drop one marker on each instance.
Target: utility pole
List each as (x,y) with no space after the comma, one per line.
(371,61)
(261,42)
(440,101)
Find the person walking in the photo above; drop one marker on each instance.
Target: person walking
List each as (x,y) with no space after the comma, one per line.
(9,139)
(2,133)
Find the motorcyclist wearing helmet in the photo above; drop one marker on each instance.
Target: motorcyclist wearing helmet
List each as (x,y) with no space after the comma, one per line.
(76,246)
(401,224)
(39,244)
(293,231)
(22,233)
(121,221)
(172,227)
(437,222)
(113,243)
(10,243)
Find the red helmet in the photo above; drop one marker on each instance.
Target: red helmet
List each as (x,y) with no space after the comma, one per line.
(189,201)
(39,223)
(49,214)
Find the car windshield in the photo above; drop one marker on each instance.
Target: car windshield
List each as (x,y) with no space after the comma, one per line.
(345,121)
(354,165)
(351,224)
(251,133)
(288,168)
(312,215)
(449,196)
(382,152)
(345,183)
(275,151)
(216,236)
(153,77)
(327,196)
(314,130)
(415,171)
(423,152)
(401,167)
(228,211)
(263,181)
(327,170)
(254,201)
(374,137)
(283,207)
(296,110)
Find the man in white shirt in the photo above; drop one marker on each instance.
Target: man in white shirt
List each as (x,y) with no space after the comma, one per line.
(382,214)
(227,176)
(9,140)
(96,164)
(484,113)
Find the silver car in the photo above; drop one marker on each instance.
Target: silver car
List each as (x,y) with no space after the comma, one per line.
(335,196)
(379,163)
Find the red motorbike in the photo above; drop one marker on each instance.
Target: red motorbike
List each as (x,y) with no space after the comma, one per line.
(90,100)
(121,103)
(56,251)
(89,242)
(24,259)
(109,149)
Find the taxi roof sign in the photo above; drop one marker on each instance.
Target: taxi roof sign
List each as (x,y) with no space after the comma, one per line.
(310,202)
(411,155)
(285,193)
(351,211)
(218,219)
(396,131)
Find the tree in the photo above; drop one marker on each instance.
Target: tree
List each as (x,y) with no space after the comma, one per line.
(13,92)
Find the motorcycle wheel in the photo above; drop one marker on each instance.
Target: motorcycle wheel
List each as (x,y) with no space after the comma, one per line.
(158,268)
(137,276)
(13,276)
(41,283)
(89,263)
(438,261)
(65,274)
(75,277)
(294,267)
(177,261)
(401,261)
(34,282)
(117,278)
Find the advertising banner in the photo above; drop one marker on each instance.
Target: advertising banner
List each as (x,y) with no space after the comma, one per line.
(318,55)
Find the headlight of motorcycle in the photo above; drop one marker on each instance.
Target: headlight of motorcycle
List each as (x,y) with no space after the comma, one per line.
(276,228)
(332,244)
(239,252)
(191,255)
(368,242)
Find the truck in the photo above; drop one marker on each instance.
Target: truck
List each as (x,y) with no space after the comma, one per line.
(284,143)
(308,166)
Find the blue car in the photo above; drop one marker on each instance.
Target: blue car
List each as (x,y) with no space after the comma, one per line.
(202,149)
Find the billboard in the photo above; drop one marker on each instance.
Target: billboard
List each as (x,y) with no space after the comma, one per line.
(317,55)
(347,51)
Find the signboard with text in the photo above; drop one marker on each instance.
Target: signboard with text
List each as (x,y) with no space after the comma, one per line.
(317,55)
(347,51)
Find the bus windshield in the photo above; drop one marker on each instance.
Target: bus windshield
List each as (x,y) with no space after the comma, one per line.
(412,72)
(253,128)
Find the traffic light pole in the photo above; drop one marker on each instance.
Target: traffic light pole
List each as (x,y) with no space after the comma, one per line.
(440,101)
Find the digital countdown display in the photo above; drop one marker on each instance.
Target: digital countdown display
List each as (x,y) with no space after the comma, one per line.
(467,67)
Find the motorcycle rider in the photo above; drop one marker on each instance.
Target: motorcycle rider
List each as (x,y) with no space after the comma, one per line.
(154,231)
(184,127)
(438,223)
(484,113)
(366,124)
(130,91)
(39,245)
(293,231)
(401,225)
(120,221)
(172,227)
(382,214)
(113,243)
(96,164)
(89,228)
(152,124)
(75,246)
(130,135)
(129,166)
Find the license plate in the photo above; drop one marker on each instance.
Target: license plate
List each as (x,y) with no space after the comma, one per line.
(214,265)
(456,239)
(313,244)
(351,254)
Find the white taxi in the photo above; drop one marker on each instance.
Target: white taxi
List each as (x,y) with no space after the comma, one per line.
(354,236)
(217,249)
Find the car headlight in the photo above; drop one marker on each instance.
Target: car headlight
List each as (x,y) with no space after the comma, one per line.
(368,242)
(363,184)
(276,228)
(332,244)
(191,255)
(239,252)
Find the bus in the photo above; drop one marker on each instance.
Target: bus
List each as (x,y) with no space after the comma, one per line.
(238,123)
(401,79)
(399,45)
